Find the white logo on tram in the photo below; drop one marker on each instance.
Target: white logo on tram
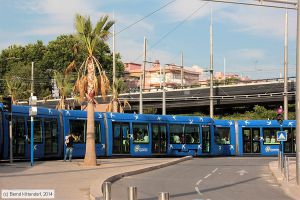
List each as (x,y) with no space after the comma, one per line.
(269,123)
(137,148)
(50,111)
(268,149)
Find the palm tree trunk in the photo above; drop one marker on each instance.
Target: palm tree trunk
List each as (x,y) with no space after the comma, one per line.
(115,106)
(90,150)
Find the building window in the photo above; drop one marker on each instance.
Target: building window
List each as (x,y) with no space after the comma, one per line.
(140,133)
(222,135)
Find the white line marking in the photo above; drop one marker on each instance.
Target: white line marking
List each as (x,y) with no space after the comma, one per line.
(208,175)
(220,173)
(197,190)
(199,182)
(214,170)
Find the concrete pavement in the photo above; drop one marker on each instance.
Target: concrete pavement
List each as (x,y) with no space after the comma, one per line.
(71,180)
(290,187)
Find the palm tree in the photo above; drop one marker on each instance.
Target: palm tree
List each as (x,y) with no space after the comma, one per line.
(17,88)
(88,84)
(115,105)
(64,86)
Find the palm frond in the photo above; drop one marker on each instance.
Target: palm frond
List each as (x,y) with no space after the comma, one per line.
(96,86)
(79,24)
(100,25)
(70,67)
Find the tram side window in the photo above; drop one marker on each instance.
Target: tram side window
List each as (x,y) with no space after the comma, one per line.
(192,133)
(37,129)
(78,129)
(222,135)
(140,133)
(270,136)
(176,133)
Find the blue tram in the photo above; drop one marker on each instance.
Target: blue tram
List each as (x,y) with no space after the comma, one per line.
(48,135)
(146,135)
(258,137)
(75,122)
(140,135)
(224,140)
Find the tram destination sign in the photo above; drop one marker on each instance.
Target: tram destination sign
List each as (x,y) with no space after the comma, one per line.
(281,136)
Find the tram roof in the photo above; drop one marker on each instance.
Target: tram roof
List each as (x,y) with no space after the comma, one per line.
(40,110)
(158,118)
(266,123)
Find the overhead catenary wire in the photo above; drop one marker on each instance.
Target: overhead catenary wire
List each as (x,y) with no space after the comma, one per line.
(173,29)
(148,15)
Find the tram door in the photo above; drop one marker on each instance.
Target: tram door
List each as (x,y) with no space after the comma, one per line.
(159,138)
(19,137)
(51,136)
(290,144)
(251,140)
(205,139)
(121,138)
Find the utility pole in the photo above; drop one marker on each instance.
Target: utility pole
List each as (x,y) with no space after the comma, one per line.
(114,55)
(181,65)
(211,101)
(285,98)
(224,71)
(164,91)
(142,78)
(297,103)
(144,63)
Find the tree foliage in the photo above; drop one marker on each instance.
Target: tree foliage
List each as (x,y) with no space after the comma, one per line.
(15,63)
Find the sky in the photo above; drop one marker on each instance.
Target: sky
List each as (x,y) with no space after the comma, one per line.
(249,39)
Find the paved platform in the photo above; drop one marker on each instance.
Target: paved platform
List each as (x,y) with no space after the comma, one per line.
(71,180)
(290,187)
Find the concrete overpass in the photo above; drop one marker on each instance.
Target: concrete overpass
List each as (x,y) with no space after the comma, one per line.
(197,99)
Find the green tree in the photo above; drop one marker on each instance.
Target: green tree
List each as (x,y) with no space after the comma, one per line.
(88,84)
(15,63)
(66,48)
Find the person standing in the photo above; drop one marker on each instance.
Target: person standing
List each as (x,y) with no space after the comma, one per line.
(69,140)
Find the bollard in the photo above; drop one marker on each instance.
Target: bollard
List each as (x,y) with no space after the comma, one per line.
(132,193)
(106,189)
(163,196)
(285,168)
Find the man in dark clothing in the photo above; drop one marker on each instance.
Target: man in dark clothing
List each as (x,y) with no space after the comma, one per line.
(69,146)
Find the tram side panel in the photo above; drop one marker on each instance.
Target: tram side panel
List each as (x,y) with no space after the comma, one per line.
(224,139)
(129,134)
(189,135)
(46,133)
(259,137)
(75,122)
